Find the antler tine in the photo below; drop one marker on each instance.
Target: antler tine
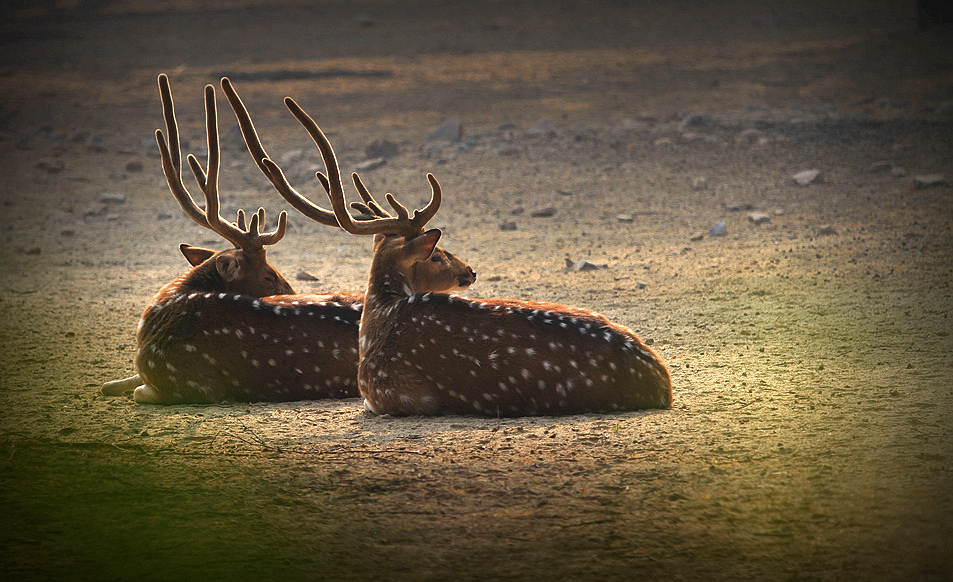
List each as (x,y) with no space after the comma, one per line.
(400,224)
(267,166)
(171,155)
(366,196)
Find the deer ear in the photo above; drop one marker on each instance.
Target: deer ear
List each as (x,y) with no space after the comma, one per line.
(228,266)
(422,246)
(195,255)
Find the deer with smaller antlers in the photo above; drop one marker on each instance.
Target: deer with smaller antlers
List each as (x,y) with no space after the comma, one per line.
(423,352)
(231,327)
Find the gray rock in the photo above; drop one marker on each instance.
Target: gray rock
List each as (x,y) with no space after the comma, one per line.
(699,183)
(624,217)
(305,276)
(508,225)
(544,212)
(451,130)
(720,228)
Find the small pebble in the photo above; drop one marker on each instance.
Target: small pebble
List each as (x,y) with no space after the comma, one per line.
(758,218)
(805,177)
(113,198)
(927,180)
(544,212)
(741,206)
(578,266)
(508,225)
(368,165)
(624,217)
(699,183)
(898,171)
(826,230)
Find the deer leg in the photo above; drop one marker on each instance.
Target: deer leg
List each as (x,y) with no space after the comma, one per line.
(119,387)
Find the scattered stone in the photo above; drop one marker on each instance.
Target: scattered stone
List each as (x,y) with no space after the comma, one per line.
(305,276)
(579,266)
(113,198)
(94,210)
(451,130)
(50,166)
(758,218)
(544,212)
(508,225)
(68,231)
(699,183)
(641,284)
(928,180)
(898,171)
(542,128)
(564,192)
(826,230)
(382,148)
(720,228)
(696,120)
(624,217)
(805,177)
(740,207)
(164,216)
(368,165)
(697,237)
(133,166)
(751,135)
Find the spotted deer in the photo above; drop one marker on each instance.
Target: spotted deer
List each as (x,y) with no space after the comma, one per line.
(423,352)
(231,328)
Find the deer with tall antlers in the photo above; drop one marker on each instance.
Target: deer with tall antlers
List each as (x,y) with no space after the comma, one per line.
(231,328)
(423,352)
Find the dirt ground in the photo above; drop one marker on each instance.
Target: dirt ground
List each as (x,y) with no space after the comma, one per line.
(811,436)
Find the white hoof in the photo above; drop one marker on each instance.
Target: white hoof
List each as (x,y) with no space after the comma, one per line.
(145,395)
(368,408)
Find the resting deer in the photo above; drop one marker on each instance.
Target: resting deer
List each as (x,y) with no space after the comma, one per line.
(230,329)
(424,353)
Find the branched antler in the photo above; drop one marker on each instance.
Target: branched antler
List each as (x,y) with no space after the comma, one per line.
(250,239)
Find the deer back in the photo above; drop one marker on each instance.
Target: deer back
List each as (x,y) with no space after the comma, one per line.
(206,347)
(437,354)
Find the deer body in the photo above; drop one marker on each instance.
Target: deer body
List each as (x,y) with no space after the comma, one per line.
(432,353)
(202,346)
